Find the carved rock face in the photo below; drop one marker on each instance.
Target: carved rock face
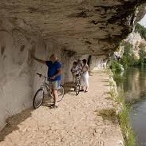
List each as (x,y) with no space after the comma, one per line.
(84,26)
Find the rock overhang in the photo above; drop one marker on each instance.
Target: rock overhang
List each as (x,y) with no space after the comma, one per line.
(84,26)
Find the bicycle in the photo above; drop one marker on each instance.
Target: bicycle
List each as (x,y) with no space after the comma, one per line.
(77,84)
(44,88)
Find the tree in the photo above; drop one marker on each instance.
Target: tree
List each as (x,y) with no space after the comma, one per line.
(128,58)
(142,54)
(141,30)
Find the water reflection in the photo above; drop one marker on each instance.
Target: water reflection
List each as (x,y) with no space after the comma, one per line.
(133,83)
(138,122)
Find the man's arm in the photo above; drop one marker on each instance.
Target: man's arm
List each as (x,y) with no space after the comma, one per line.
(58,73)
(39,60)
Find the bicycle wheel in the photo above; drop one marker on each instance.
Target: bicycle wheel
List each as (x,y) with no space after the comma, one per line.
(38,98)
(49,94)
(77,89)
(60,93)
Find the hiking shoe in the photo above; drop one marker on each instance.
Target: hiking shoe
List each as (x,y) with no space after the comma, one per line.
(53,106)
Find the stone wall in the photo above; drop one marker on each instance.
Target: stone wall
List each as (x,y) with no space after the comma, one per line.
(15,77)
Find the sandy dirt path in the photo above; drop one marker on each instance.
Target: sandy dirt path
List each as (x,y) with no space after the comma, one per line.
(74,123)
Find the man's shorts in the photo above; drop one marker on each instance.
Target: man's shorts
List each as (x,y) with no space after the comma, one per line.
(54,84)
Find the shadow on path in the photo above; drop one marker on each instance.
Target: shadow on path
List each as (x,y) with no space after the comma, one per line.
(69,88)
(12,123)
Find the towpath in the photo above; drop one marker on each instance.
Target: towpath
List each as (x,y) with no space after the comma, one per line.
(74,123)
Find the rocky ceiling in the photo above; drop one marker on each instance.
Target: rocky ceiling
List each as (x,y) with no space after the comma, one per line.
(84,26)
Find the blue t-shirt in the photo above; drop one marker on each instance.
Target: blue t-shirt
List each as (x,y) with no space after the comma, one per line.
(53,69)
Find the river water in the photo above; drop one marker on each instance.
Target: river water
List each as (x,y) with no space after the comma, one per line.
(133,83)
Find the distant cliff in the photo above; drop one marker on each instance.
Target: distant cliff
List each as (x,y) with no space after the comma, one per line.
(138,40)
(133,49)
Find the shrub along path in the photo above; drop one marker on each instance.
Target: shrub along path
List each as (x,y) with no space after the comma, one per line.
(75,122)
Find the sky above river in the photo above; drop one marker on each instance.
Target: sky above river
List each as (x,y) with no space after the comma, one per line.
(143,21)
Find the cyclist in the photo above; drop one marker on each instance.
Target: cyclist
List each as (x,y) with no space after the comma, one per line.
(80,65)
(75,70)
(54,73)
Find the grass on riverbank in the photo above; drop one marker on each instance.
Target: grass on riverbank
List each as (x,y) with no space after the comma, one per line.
(124,122)
(122,117)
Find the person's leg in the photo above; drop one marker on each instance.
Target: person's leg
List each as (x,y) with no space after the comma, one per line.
(87,86)
(56,85)
(55,96)
(82,83)
(73,78)
(86,89)
(86,83)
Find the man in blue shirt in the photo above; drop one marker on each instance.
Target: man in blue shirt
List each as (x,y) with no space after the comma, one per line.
(54,73)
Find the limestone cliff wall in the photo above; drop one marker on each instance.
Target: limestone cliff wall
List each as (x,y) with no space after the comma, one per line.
(17,78)
(137,43)
(86,26)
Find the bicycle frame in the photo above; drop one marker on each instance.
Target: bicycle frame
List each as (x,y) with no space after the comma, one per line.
(44,84)
(77,80)
(77,84)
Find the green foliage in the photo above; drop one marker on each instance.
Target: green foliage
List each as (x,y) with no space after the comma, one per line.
(142,54)
(118,78)
(128,58)
(124,123)
(115,67)
(141,30)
